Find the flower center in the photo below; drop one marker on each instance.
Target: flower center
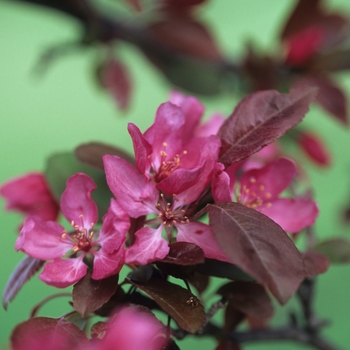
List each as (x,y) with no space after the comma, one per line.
(254,197)
(81,238)
(169,215)
(167,166)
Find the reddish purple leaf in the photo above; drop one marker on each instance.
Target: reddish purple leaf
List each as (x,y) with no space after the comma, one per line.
(91,153)
(337,250)
(232,318)
(184,253)
(23,272)
(260,119)
(199,281)
(248,297)
(315,263)
(116,80)
(47,333)
(177,302)
(89,294)
(334,61)
(259,247)
(186,36)
(332,24)
(329,96)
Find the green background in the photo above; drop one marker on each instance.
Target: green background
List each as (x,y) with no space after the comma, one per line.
(64,108)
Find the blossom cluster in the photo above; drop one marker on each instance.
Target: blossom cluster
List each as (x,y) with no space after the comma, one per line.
(177,164)
(160,199)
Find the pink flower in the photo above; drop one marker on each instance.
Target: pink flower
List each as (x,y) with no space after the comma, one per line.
(72,252)
(130,329)
(29,194)
(138,196)
(169,154)
(260,189)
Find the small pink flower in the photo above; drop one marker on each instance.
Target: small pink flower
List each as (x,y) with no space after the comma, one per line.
(131,329)
(29,194)
(70,252)
(138,196)
(260,189)
(169,154)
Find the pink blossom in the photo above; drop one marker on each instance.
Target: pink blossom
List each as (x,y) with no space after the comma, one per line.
(72,252)
(29,194)
(169,154)
(130,329)
(138,196)
(260,189)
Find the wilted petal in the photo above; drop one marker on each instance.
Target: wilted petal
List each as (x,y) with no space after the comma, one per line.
(42,239)
(292,215)
(149,246)
(63,273)
(76,203)
(30,195)
(201,235)
(134,193)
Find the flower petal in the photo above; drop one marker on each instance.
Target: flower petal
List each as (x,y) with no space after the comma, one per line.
(106,265)
(63,273)
(267,182)
(142,149)
(42,239)
(149,246)
(134,193)
(201,235)
(30,195)
(293,215)
(76,203)
(220,185)
(115,225)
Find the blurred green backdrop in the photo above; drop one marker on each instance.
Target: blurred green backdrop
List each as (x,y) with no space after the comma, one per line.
(40,116)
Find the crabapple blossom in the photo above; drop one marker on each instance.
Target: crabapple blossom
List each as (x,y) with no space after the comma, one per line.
(29,194)
(72,252)
(260,189)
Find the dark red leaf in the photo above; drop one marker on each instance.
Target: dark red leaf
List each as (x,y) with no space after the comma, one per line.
(223,269)
(116,80)
(199,281)
(248,297)
(23,272)
(184,253)
(89,294)
(91,153)
(315,263)
(337,250)
(186,36)
(259,247)
(329,96)
(335,61)
(47,333)
(332,24)
(232,318)
(260,119)
(179,5)
(177,302)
